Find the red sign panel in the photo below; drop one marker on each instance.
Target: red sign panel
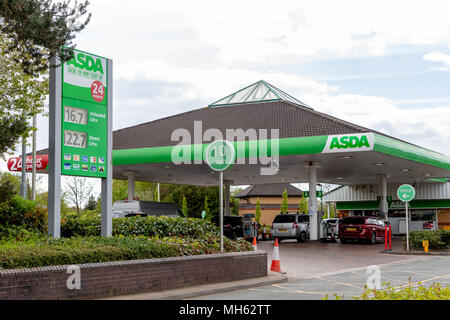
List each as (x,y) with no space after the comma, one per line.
(15,164)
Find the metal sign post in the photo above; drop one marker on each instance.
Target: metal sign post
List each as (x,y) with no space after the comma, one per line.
(221,209)
(220,156)
(407,226)
(80,138)
(406,193)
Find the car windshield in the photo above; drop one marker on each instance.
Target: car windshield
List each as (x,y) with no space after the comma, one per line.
(303,218)
(354,220)
(332,221)
(284,218)
(237,221)
(126,206)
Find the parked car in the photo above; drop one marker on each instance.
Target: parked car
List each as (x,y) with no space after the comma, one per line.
(132,208)
(330,229)
(369,229)
(233,226)
(291,226)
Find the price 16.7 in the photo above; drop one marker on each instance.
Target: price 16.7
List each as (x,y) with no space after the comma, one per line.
(75,115)
(75,139)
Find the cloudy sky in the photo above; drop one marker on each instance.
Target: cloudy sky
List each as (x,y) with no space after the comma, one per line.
(380,64)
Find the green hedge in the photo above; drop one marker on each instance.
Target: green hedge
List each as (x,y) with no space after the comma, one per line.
(18,212)
(138,226)
(433,292)
(37,252)
(437,239)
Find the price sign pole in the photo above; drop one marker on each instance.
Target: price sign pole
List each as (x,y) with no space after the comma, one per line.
(80,135)
(54,165)
(220,156)
(406,193)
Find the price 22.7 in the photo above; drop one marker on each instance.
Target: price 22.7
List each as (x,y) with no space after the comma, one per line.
(75,139)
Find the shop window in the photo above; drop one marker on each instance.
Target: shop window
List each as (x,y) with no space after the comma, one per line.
(423,215)
(396,213)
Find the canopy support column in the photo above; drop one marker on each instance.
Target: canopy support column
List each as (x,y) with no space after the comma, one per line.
(312,203)
(383,199)
(130,176)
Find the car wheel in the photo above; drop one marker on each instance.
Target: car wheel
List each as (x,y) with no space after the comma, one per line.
(374,238)
(343,241)
(302,237)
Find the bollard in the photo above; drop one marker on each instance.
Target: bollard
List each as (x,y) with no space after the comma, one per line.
(386,237)
(425,245)
(390,237)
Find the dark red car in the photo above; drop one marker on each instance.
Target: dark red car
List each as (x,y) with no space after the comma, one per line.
(369,229)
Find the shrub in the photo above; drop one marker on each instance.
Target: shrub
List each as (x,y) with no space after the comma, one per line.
(434,292)
(138,226)
(45,252)
(9,186)
(419,292)
(20,212)
(437,239)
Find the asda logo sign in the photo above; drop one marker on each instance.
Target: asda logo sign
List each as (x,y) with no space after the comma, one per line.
(346,142)
(86,62)
(349,143)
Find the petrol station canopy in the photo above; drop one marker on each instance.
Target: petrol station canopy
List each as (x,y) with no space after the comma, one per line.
(344,153)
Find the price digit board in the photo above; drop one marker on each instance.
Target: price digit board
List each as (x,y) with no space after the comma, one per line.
(84,116)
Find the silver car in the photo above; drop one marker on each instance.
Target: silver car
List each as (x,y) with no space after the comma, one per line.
(291,226)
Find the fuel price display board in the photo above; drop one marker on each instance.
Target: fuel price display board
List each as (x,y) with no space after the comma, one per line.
(84,116)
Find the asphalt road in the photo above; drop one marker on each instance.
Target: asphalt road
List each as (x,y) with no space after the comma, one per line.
(317,269)
(348,283)
(300,260)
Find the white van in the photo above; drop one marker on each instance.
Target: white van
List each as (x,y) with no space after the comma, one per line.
(131,208)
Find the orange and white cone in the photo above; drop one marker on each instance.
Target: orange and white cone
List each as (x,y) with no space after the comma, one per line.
(254,244)
(275,258)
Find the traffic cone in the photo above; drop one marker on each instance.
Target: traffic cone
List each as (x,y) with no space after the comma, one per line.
(275,258)
(254,244)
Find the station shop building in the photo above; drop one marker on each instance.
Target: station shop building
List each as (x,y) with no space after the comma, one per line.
(429,210)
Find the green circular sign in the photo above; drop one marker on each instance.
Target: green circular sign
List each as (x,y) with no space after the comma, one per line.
(220,155)
(406,192)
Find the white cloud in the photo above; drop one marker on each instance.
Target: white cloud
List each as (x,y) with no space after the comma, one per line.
(439,57)
(206,32)
(212,83)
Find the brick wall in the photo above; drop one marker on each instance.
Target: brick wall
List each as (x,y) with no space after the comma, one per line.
(129,277)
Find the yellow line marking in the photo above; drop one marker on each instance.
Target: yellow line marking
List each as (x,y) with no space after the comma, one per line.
(298,291)
(339,282)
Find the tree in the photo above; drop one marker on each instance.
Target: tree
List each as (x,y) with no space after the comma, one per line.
(120,190)
(32,31)
(78,192)
(184,207)
(9,186)
(258,211)
(40,29)
(21,96)
(144,190)
(303,205)
(91,203)
(234,206)
(195,197)
(284,202)
(206,209)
